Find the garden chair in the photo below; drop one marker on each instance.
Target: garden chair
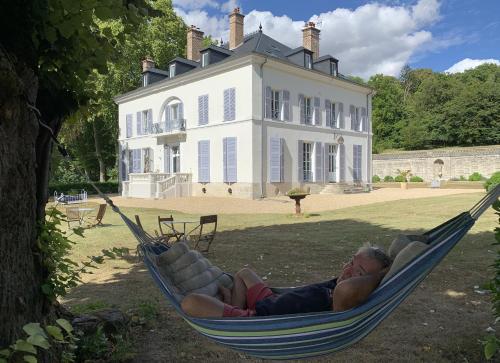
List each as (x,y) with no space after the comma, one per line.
(207,229)
(100,215)
(73,215)
(171,232)
(158,238)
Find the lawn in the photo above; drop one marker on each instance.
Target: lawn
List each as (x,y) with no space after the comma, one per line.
(441,321)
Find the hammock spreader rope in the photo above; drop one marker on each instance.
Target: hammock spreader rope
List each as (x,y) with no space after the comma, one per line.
(306,335)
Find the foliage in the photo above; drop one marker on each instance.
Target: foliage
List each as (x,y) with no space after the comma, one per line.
(42,338)
(493,181)
(416,179)
(375,179)
(476,177)
(425,109)
(297,191)
(99,346)
(403,175)
(492,343)
(388,178)
(89,307)
(66,188)
(55,245)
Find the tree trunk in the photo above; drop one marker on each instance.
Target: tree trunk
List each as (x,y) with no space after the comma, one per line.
(98,152)
(21,269)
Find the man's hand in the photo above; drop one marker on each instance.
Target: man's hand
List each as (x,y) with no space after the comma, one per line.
(225,294)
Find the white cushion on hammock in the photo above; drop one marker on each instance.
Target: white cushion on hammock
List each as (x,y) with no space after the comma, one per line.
(404,256)
(401,241)
(189,271)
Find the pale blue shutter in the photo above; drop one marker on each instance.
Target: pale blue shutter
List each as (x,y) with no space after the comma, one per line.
(357,156)
(123,163)
(282,160)
(168,119)
(166,159)
(360,164)
(286,105)
(201,120)
(233,103)
(139,123)
(268,102)
(150,121)
(180,112)
(317,111)
(151,160)
(128,121)
(204,161)
(364,119)
(275,159)
(341,122)
(300,160)
(226,105)
(328,110)
(302,108)
(342,162)
(130,154)
(352,115)
(224,159)
(326,162)
(136,160)
(318,177)
(230,160)
(205,109)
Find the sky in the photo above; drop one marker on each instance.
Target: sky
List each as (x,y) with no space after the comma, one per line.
(368,37)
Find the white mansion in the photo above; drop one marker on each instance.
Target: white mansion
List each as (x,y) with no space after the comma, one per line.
(250,118)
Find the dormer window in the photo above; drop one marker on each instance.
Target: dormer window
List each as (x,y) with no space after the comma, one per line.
(204,59)
(308,61)
(333,69)
(171,71)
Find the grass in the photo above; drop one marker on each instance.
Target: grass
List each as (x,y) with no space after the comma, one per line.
(441,321)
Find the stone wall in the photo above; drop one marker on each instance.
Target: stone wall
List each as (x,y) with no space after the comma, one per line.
(440,163)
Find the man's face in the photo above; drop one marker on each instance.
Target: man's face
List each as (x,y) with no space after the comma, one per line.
(359,265)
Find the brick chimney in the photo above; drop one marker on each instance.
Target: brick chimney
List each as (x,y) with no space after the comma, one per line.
(194,43)
(235,28)
(310,36)
(147,64)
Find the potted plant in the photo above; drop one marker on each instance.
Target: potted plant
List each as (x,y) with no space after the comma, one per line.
(403,175)
(297,194)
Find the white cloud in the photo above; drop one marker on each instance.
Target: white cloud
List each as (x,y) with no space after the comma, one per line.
(229,5)
(468,63)
(373,38)
(195,4)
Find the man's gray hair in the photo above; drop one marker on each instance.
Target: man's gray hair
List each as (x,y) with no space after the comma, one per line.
(377,253)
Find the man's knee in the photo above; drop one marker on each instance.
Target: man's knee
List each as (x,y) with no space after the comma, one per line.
(244,272)
(191,303)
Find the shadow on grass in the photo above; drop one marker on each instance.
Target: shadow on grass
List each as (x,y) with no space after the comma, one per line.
(441,321)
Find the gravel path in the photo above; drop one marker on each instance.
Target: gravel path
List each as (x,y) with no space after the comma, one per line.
(313,203)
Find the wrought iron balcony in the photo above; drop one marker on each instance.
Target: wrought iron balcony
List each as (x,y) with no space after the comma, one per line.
(171,126)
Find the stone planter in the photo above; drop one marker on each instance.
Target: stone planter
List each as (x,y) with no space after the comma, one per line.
(297,198)
(404,185)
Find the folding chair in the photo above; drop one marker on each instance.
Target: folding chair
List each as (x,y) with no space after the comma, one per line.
(158,238)
(73,215)
(206,235)
(168,222)
(100,215)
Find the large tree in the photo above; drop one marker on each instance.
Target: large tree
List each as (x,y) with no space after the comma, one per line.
(48,49)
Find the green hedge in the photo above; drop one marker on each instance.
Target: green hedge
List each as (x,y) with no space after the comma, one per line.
(375,179)
(416,179)
(388,178)
(493,181)
(476,177)
(400,179)
(73,188)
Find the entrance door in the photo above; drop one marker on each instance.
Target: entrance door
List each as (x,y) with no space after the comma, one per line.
(176,159)
(332,163)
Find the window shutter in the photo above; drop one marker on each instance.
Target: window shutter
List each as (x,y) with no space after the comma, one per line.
(360,164)
(130,154)
(300,160)
(268,102)
(341,121)
(326,161)
(357,155)
(286,105)
(150,121)
(166,159)
(352,115)
(230,160)
(282,160)
(168,121)
(205,109)
(226,105)
(123,163)
(180,111)
(318,177)
(233,103)
(151,160)
(328,110)
(201,119)
(139,123)
(302,109)
(275,159)
(128,121)
(204,161)
(136,160)
(317,111)
(342,162)
(229,104)
(364,119)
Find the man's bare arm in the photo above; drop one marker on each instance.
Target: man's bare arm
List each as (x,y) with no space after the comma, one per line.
(354,291)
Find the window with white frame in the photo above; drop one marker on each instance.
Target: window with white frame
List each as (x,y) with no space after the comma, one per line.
(275,105)
(356,162)
(358,119)
(204,59)
(333,115)
(307,160)
(145,122)
(333,68)
(171,71)
(308,110)
(174,112)
(308,61)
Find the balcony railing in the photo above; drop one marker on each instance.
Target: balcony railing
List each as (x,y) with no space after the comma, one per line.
(167,127)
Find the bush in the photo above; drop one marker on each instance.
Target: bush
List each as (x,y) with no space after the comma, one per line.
(416,179)
(375,179)
(70,188)
(400,179)
(493,181)
(297,191)
(388,178)
(476,177)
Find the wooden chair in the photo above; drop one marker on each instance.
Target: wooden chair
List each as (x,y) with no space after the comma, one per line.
(73,215)
(171,232)
(100,215)
(207,230)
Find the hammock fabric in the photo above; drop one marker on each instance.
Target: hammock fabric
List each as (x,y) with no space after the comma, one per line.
(305,335)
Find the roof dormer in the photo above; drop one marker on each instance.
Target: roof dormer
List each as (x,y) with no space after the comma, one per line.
(327,64)
(180,65)
(301,56)
(213,54)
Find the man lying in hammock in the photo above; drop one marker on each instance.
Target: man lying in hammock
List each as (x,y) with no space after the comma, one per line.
(251,296)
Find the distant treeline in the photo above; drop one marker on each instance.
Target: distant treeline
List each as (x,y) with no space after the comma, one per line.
(424,109)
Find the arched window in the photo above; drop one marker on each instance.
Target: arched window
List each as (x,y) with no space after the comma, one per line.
(438,168)
(173,115)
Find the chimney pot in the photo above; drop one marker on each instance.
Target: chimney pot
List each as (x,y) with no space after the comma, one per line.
(310,38)
(147,64)
(236,24)
(194,43)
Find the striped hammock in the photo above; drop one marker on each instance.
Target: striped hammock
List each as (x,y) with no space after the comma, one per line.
(306,335)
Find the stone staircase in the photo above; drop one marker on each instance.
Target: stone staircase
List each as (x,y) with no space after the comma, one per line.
(343,188)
